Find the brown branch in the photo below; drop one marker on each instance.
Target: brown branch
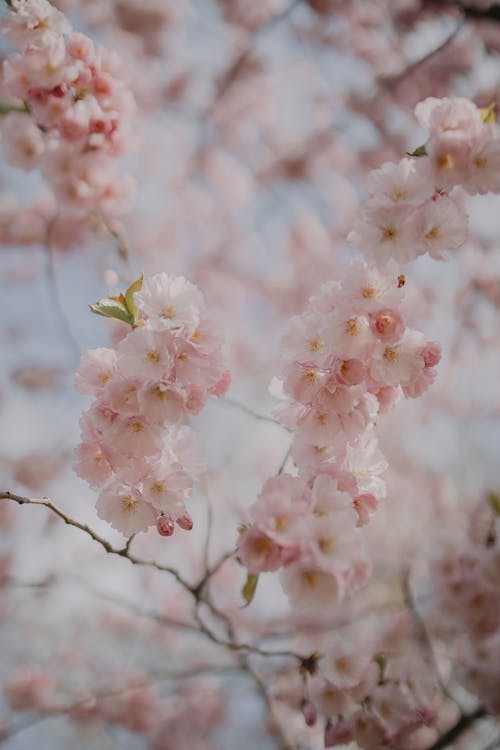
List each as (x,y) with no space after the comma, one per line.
(279,730)
(120,551)
(250,412)
(396,79)
(194,590)
(465,722)
(470,12)
(422,629)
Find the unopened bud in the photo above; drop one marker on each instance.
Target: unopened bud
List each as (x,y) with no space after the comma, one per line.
(310,713)
(185,522)
(165,526)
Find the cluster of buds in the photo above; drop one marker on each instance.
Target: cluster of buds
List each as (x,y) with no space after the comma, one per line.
(166,367)
(72,112)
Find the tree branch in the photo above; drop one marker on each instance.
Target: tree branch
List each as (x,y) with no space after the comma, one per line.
(465,722)
(120,551)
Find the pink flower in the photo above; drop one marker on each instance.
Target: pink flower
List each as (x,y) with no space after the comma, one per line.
(30,688)
(147,354)
(123,507)
(432,353)
(23,141)
(337,734)
(304,341)
(166,487)
(281,506)
(458,118)
(401,363)
(484,162)
(408,181)
(349,371)
(161,403)
(328,500)
(387,233)
(308,586)
(34,22)
(365,506)
(258,552)
(122,396)
(222,385)
(91,464)
(133,437)
(170,302)
(96,368)
(368,289)
(344,663)
(185,449)
(443,226)
(303,382)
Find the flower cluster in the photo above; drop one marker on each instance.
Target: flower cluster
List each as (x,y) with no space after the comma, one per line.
(465,577)
(348,357)
(375,699)
(74,117)
(415,205)
(164,368)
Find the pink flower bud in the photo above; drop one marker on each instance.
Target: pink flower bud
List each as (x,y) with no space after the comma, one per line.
(431,354)
(185,522)
(387,325)
(310,713)
(222,385)
(165,526)
(365,505)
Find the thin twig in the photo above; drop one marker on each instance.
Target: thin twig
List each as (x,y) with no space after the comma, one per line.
(279,729)
(396,79)
(422,628)
(250,412)
(283,463)
(55,297)
(120,551)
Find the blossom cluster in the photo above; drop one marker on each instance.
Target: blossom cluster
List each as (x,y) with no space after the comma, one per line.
(465,580)
(166,367)
(75,110)
(347,358)
(375,697)
(131,701)
(415,206)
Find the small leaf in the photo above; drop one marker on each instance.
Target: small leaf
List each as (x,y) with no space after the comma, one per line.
(129,297)
(6,107)
(248,590)
(494,500)
(112,308)
(420,151)
(488,113)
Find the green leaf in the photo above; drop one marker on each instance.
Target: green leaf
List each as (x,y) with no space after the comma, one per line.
(494,500)
(248,590)
(113,307)
(488,113)
(129,297)
(420,151)
(6,107)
